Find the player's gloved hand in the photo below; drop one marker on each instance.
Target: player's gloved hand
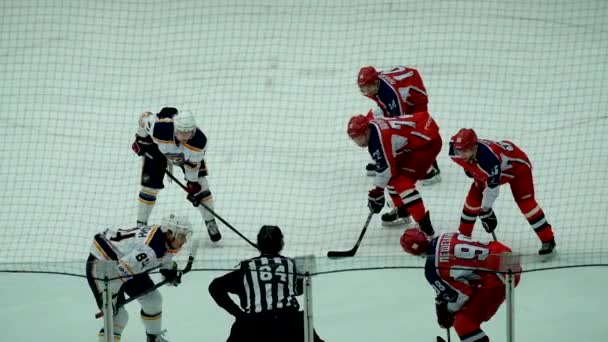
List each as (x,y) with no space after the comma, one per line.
(195,193)
(488,220)
(142,145)
(167,112)
(375,200)
(445,318)
(172,275)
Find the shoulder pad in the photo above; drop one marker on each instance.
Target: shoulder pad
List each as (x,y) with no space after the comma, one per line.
(198,141)
(163,131)
(157,243)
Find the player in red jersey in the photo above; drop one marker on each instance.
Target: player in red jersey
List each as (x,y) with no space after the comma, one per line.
(403,149)
(399,91)
(468,277)
(491,164)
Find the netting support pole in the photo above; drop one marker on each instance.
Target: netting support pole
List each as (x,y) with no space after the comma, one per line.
(510,299)
(308,268)
(108,310)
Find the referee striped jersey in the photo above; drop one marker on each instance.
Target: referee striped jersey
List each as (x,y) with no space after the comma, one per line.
(264,284)
(269,283)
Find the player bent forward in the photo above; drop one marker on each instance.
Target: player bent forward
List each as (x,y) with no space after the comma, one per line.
(403,148)
(267,286)
(170,139)
(136,252)
(398,91)
(466,276)
(491,164)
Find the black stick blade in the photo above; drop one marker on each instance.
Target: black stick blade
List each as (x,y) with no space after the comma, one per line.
(341,254)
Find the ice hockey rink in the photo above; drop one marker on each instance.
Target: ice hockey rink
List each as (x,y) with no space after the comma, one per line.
(272,85)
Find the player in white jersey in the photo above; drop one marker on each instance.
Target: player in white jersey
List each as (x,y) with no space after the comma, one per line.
(170,139)
(137,251)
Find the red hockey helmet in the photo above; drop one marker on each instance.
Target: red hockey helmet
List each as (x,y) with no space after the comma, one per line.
(465,139)
(367,75)
(357,125)
(413,241)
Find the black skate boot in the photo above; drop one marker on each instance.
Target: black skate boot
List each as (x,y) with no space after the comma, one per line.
(396,217)
(547,247)
(370,169)
(433,176)
(214,232)
(426,226)
(156,338)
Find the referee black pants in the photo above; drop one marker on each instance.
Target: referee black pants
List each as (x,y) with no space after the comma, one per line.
(276,326)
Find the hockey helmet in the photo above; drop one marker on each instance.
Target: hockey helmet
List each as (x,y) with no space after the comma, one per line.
(413,241)
(367,75)
(184,122)
(465,139)
(178,225)
(270,239)
(357,125)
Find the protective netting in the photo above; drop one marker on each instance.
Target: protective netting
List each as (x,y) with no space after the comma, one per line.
(272,84)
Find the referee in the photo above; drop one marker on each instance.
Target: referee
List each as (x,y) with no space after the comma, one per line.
(267,287)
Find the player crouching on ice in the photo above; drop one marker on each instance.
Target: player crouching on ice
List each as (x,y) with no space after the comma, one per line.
(468,277)
(491,164)
(403,148)
(397,92)
(166,139)
(137,251)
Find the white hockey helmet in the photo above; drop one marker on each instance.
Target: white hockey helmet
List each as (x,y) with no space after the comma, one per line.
(178,225)
(184,122)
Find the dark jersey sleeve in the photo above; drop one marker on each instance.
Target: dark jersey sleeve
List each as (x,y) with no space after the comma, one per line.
(157,243)
(198,140)
(375,149)
(163,131)
(490,163)
(444,291)
(229,283)
(388,97)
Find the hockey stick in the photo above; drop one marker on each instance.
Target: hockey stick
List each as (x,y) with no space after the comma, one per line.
(440,339)
(186,269)
(181,185)
(351,252)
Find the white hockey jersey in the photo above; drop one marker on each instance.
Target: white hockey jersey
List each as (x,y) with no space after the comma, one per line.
(190,155)
(136,250)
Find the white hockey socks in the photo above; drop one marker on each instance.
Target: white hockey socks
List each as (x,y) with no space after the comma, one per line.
(147,200)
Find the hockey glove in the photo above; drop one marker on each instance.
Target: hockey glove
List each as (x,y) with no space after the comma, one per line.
(172,275)
(142,145)
(445,318)
(167,112)
(488,220)
(375,200)
(195,193)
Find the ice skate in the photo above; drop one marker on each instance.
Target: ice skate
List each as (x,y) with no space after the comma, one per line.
(547,247)
(426,226)
(157,338)
(396,217)
(432,177)
(212,229)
